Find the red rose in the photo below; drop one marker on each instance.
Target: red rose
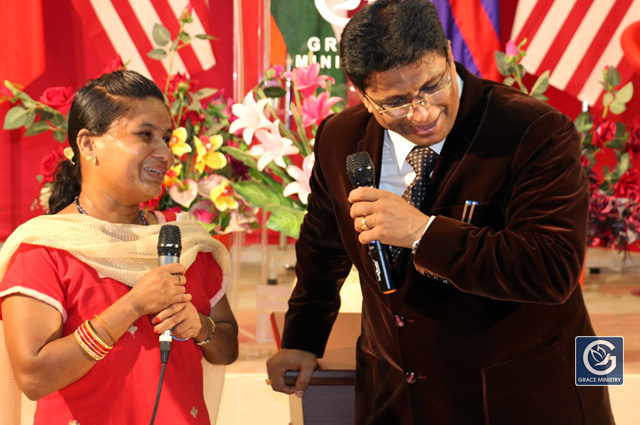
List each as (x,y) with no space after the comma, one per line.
(180,83)
(633,144)
(49,164)
(59,98)
(604,132)
(601,205)
(114,65)
(628,186)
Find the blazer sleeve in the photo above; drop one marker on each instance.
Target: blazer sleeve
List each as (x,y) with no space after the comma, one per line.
(538,254)
(322,263)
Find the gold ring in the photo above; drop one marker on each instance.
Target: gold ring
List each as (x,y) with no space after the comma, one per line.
(179,279)
(267,381)
(363,224)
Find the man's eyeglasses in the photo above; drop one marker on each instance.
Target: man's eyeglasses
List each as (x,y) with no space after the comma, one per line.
(424,100)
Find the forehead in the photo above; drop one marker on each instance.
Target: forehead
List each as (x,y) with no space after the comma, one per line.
(149,111)
(410,77)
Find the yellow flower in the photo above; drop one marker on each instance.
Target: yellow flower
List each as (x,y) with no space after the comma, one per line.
(221,197)
(178,142)
(215,160)
(207,155)
(170,177)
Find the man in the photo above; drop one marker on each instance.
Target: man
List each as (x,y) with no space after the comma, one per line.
(481,329)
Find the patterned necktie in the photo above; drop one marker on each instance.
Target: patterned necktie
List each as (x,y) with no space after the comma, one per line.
(422,159)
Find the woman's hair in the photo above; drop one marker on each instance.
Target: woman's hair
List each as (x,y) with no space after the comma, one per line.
(387,34)
(95,107)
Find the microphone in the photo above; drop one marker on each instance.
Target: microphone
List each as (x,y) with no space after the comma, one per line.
(362,173)
(169,249)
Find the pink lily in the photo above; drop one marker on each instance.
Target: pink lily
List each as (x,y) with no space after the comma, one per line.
(273,147)
(315,109)
(250,117)
(307,80)
(302,177)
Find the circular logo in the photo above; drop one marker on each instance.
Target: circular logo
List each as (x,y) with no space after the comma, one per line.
(332,15)
(597,356)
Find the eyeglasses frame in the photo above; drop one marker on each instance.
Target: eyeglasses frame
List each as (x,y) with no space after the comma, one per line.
(413,104)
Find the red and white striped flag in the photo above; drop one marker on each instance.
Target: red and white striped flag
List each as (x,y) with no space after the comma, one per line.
(125,27)
(575,40)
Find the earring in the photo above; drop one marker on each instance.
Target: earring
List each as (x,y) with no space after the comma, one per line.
(91,159)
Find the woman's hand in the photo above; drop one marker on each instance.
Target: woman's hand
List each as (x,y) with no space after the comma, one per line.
(158,289)
(182,318)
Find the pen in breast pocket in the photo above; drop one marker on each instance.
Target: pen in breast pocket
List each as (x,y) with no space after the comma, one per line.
(466,208)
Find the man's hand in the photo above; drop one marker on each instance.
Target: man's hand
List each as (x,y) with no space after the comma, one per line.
(289,359)
(389,218)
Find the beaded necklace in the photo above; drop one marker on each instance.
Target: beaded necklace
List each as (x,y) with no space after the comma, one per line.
(81,210)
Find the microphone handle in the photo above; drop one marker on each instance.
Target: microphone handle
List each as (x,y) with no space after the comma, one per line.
(165,337)
(379,254)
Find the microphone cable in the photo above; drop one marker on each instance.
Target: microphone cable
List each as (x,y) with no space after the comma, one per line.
(165,348)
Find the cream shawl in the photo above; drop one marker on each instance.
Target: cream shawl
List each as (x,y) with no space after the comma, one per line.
(124,252)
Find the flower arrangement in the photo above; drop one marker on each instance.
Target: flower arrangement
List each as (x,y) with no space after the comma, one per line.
(279,154)
(614,211)
(230,160)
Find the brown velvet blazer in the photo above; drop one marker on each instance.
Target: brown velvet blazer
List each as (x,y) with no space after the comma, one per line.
(487,311)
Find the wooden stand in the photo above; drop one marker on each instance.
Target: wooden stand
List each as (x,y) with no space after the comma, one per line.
(330,397)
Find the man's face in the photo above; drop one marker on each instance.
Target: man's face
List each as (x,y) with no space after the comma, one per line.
(432,78)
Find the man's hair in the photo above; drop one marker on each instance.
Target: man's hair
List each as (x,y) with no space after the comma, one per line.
(386,34)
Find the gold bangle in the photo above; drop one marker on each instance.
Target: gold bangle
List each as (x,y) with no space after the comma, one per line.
(93,345)
(213,329)
(96,337)
(107,328)
(86,349)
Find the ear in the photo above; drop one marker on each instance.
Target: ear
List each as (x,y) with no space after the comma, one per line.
(86,143)
(450,54)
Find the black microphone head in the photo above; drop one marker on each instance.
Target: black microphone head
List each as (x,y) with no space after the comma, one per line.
(360,169)
(170,240)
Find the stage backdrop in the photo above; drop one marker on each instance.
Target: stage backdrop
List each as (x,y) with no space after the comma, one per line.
(45,44)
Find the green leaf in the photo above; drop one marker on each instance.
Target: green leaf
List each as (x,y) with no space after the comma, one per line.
(541,97)
(16,118)
(184,37)
(607,98)
(615,143)
(60,135)
(205,37)
(274,91)
(161,35)
(613,76)
(157,54)
(583,122)
(57,120)
(625,94)
(37,128)
(204,93)
(286,220)
(616,107)
(501,62)
(241,156)
(541,85)
(259,195)
(509,81)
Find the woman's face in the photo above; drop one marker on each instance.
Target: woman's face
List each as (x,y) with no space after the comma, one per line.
(134,155)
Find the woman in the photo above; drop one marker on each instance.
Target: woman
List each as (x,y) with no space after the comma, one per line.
(83,300)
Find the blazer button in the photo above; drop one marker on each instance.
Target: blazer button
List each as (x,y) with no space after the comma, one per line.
(410,377)
(400,320)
